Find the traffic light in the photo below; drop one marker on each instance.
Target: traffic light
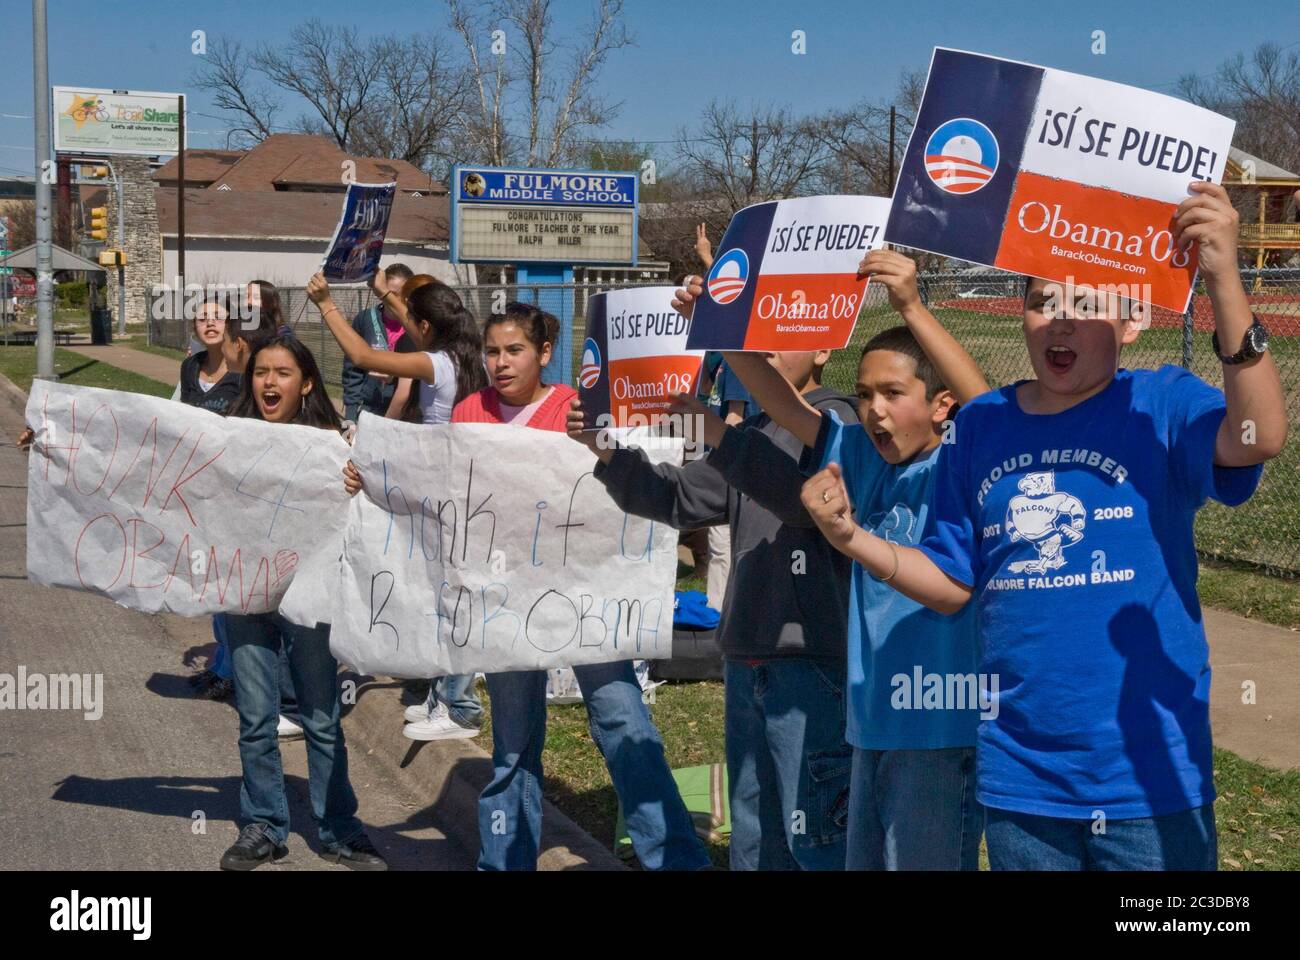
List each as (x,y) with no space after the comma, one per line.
(96,173)
(112,258)
(99,223)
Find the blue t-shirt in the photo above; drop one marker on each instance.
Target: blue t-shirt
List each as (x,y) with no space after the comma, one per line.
(726,388)
(912,682)
(1075,531)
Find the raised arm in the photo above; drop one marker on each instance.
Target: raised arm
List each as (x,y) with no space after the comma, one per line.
(955,366)
(415,365)
(391,300)
(1255,426)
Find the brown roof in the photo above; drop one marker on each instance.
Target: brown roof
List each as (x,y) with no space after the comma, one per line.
(286,160)
(318,169)
(201,166)
(234,213)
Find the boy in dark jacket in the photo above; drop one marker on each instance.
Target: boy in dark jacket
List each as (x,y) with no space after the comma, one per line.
(783,625)
(381,329)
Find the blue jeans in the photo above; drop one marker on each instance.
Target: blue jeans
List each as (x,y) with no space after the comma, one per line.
(256,643)
(510,807)
(1176,841)
(914,810)
(221,659)
(787,764)
(457,692)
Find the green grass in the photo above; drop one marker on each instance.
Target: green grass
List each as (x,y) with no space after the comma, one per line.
(689,717)
(1250,593)
(19,365)
(1258,810)
(1257,814)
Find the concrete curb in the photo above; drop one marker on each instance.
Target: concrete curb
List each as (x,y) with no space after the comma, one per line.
(450,773)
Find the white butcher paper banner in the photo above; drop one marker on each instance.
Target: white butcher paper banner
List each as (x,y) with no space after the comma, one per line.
(161,506)
(482,547)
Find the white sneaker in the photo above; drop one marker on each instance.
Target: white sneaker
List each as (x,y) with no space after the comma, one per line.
(287,729)
(421,711)
(438,726)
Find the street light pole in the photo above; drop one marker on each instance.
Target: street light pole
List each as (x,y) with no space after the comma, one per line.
(121,246)
(44,250)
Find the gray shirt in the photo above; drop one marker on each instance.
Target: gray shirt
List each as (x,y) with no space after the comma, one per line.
(788,592)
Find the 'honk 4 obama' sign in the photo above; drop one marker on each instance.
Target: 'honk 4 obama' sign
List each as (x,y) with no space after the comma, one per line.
(785,277)
(161,506)
(488,547)
(1055,175)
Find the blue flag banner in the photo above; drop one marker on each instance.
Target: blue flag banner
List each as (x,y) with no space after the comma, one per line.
(358,242)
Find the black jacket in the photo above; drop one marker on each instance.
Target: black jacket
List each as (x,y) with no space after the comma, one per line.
(788,591)
(361,391)
(220,398)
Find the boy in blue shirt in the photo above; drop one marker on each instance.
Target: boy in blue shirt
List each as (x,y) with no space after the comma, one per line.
(1065,508)
(911,794)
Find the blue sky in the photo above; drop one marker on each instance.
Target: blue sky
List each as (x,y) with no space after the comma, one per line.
(685,53)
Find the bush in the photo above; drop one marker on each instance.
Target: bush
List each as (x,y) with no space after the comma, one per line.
(71,293)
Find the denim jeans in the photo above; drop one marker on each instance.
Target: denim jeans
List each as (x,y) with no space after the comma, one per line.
(787,764)
(510,807)
(457,692)
(288,698)
(221,659)
(1176,841)
(914,810)
(256,643)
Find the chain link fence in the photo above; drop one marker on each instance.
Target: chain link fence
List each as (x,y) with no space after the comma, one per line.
(983,310)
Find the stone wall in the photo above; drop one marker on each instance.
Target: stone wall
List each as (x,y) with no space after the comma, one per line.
(143,250)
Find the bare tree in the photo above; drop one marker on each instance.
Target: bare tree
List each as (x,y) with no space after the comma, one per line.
(858,144)
(556,101)
(329,67)
(387,96)
(226,75)
(1262,93)
(744,159)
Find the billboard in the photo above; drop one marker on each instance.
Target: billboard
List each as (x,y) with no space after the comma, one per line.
(504,215)
(89,120)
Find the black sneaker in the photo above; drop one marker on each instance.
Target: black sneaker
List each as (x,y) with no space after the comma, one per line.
(217,690)
(254,847)
(358,854)
(201,680)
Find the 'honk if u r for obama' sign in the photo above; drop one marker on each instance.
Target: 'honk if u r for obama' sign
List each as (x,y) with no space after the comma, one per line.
(1055,175)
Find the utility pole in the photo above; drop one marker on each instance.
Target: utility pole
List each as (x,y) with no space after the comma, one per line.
(892,114)
(180,194)
(44,250)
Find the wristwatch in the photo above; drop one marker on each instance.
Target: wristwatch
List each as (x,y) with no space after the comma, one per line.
(1252,345)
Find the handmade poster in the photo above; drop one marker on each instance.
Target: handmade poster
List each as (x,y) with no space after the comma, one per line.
(161,506)
(1055,175)
(785,277)
(481,547)
(634,359)
(358,241)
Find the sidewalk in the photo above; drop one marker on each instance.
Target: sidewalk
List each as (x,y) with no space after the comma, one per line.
(1268,658)
(122,792)
(123,357)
